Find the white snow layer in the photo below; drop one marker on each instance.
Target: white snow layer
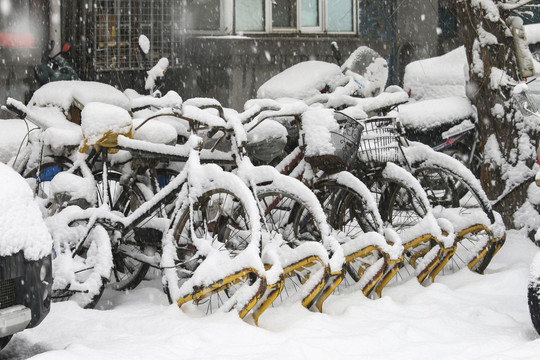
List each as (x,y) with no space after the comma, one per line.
(426,79)
(144,44)
(303,80)
(63,93)
(98,119)
(12,136)
(156,72)
(435,112)
(533,33)
(21,224)
(451,316)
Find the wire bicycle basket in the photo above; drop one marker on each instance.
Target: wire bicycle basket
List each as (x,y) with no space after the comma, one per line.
(379,143)
(345,142)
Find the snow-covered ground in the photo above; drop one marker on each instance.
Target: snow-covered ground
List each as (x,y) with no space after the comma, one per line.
(461,316)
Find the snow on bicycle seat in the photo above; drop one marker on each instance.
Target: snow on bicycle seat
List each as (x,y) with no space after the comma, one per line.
(427,114)
(64,93)
(303,80)
(156,132)
(102,124)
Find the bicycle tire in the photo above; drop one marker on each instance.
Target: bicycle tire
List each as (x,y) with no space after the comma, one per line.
(219,217)
(128,272)
(286,213)
(89,263)
(455,198)
(347,208)
(404,206)
(350,212)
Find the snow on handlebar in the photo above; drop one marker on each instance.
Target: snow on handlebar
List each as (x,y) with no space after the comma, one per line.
(25,113)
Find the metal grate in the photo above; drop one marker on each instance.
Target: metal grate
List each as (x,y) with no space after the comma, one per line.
(118,25)
(7,293)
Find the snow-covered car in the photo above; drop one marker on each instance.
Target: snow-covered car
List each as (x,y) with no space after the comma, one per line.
(25,257)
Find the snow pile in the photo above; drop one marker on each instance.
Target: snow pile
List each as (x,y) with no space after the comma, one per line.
(13,135)
(76,186)
(61,132)
(266,140)
(451,317)
(437,77)
(303,80)
(533,33)
(21,225)
(156,72)
(435,112)
(170,100)
(155,131)
(368,70)
(99,120)
(83,274)
(64,93)
(268,129)
(317,125)
(144,44)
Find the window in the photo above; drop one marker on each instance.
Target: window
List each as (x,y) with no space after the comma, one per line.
(295,15)
(340,15)
(283,14)
(208,16)
(250,15)
(203,15)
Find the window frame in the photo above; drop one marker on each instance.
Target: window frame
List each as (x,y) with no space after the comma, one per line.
(226,16)
(321,29)
(322,16)
(354,30)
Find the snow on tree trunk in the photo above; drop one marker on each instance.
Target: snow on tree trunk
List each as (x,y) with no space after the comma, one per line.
(508,141)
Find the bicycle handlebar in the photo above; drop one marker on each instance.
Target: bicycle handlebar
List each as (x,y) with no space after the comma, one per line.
(9,107)
(24,113)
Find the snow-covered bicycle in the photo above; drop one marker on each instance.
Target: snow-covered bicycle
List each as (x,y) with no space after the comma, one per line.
(452,190)
(204,199)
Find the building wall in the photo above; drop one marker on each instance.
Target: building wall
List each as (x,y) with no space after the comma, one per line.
(231,69)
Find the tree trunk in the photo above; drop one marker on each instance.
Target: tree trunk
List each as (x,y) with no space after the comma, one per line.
(506,143)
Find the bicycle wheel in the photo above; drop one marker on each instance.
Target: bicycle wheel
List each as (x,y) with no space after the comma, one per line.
(403,205)
(353,214)
(81,272)
(399,205)
(285,213)
(208,237)
(454,198)
(348,209)
(128,271)
(289,216)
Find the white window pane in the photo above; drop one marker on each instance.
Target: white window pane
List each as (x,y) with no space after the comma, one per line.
(310,13)
(340,15)
(284,13)
(249,15)
(202,15)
